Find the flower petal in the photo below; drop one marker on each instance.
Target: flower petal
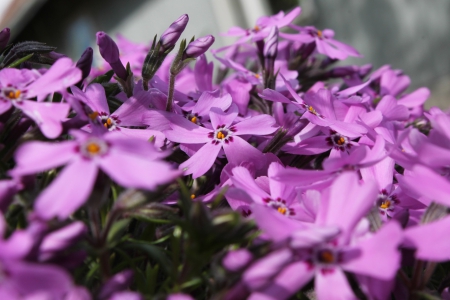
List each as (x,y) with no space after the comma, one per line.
(34,156)
(201,161)
(68,191)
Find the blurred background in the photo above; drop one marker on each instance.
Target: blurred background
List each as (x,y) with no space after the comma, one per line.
(411,35)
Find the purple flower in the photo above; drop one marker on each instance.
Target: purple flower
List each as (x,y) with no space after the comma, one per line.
(280,197)
(129,162)
(224,134)
(20,278)
(129,114)
(17,86)
(324,251)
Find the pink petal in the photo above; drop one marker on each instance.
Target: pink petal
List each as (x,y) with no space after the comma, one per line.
(324,48)
(136,172)
(375,261)
(178,134)
(34,156)
(287,283)
(262,271)
(243,180)
(61,75)
(68,191)
(208,100)
(328,285)
(94,97)
(239,151)
(201,161)
(274,224)
(425,182)
(348,202)
(48,115)
(219,117)
(431,240)
(203,73)
(257,125)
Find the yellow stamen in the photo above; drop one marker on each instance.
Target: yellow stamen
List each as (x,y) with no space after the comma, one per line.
(257,76)
(194,119)
(93,115)
(386,204)
(282,210)
(93,148)
(14,94)
(341,141)
(256,28)
(192,196)
(326,256)
(319,33)
(220,135)
(109,122)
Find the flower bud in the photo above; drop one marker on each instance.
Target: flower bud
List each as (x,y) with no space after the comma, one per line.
(271,45)
(110,52)
(4,38)
(85,62)
(198,47)
(173,33)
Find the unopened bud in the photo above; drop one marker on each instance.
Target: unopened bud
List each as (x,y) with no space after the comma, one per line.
(172,34)
(4,38)
(85,62)
(271,45)
(110,52)
(198,47)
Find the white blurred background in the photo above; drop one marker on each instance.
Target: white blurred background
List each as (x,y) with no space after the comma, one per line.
(412,35)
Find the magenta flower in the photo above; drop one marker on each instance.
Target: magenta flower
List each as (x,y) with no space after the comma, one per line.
(324,251)
(280,197)
(129,162)
(224,135)
(22,279)
(17,86)
(128,115)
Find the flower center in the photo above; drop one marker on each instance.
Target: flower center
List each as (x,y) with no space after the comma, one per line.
(386,203)
(12,94)
(319,34)
(194,119)
(280,206)
(338,141)
(109,122)
(93,115)
(326,256)
(222,134)
(93,147)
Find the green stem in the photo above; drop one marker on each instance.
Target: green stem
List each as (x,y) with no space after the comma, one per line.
(169,105)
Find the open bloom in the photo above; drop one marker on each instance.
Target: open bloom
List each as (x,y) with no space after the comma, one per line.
(18,86)
(224,134)
(129,162)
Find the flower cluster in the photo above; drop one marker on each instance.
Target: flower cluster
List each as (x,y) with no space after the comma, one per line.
(289,176)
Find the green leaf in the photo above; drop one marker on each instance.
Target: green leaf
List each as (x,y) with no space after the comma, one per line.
(117,230)
(103,78)
(154,252)
(19,61)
